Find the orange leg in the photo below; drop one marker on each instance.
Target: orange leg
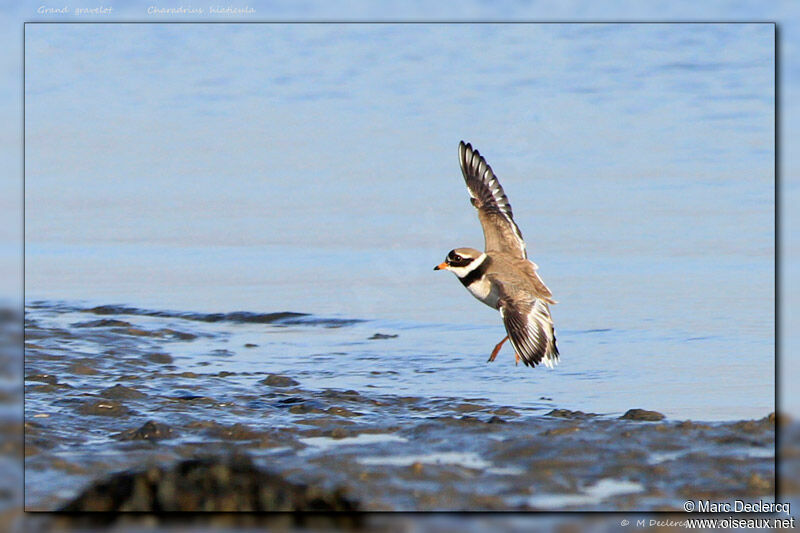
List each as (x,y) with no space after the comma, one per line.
(516,358)
(497,349)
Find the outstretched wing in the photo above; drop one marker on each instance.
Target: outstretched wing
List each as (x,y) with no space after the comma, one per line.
(530,330)
(500,232)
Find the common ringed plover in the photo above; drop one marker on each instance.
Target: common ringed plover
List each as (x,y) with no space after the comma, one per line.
(502,277)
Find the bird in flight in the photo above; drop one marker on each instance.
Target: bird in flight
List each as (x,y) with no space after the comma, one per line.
(502,277)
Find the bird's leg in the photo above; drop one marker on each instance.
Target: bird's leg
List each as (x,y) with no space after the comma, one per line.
(497,349)
(516,358)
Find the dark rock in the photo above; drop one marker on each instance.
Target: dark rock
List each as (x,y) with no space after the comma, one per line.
(103,323)
(688,425)
(121,392)
(44,378)
(276,380)
(333,433)
(203,424)
(561,431)
(149,431)
(217,485)
(737,440)
(235,432)
(496,420)
(47,388)
(106,310)
(303,408)
(31,450)
(642,414)
(752,426)
(81,369)
(778,419)
(758,485)
(566,413)
(341,394)
(68,466)
(160,358)
(504,411)
(103,408)
(341,411)
(381,336)
(180,335)
(341,433)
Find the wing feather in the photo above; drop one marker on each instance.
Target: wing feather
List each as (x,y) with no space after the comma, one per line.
(530,330)
(500,231)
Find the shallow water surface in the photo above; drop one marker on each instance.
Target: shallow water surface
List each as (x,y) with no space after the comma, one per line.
(319,175)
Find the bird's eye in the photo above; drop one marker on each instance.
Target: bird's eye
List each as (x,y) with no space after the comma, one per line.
(457,258)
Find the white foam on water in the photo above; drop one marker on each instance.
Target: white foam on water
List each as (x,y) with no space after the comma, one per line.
(506,470)
(602,490)
(662,457)
(465,459)
(364,438)
(759,452)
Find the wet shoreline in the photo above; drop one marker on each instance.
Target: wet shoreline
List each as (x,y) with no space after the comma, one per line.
(106,394)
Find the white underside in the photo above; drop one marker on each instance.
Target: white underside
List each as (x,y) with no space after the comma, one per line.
(485,291)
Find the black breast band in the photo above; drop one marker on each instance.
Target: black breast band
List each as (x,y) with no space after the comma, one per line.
(476,274)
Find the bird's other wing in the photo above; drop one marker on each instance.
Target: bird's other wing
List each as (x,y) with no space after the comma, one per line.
(530,330)
(500,232)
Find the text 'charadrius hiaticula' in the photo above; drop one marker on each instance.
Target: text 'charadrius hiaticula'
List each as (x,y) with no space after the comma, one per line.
(502,277)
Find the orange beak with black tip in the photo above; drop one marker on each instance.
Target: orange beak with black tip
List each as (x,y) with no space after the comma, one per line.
(442,266)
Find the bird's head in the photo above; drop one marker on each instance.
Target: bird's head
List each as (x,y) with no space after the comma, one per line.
(461,261)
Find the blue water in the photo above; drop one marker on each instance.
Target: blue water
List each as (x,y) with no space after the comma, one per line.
(313,168)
